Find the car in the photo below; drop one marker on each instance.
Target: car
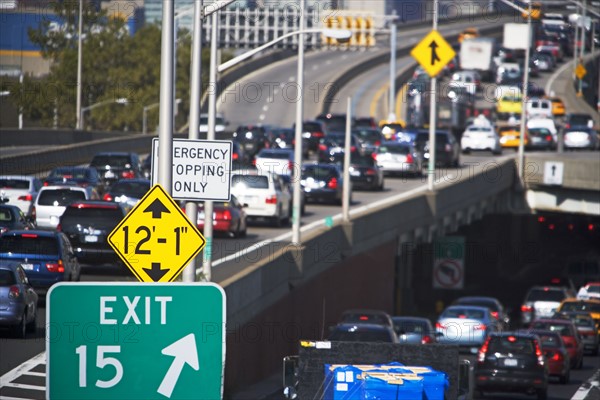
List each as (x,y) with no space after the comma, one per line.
(365,122)
(498,311)
(313,131)
(580,137)
(542,302)
(480,136)
(509,102)
(510,136)
(471,80)
(334,122)
(578,119)
(80,176)
(11,217)
(323,182)
(20,190)
(276,161)
(288,184)
(590,306)
(112,166)
(229,218)
(128,192)
(418,85)
(539,107)
(544,61)
(548,123)
(414,330)
(390,129)
(52,200)
(18,298)
(366,316)
(251,138)
(447,149)
(264,193)
(363,333)
(558,106)
(555,49)
(591,290)
(368,138)
(399,158)
(556,354)
(540,139)
(220,123)
(587,329)
(566,328)
(88,224)
(332,147)
(365,173)
(47,257)
(285,138)
(466,326)
(511,362)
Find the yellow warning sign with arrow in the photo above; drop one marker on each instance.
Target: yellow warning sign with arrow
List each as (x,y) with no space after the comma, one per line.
(433,53)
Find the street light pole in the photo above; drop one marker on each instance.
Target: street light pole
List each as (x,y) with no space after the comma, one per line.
(298,134)
(78,113)
(524,97)
(392,98)
(121,100)
(432,116)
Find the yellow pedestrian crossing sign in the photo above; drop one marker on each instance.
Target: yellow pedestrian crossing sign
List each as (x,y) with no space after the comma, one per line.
(156,240)
(580,71)
(433,53)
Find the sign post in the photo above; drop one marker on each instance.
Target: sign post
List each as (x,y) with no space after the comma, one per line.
(135,341)
(449,263)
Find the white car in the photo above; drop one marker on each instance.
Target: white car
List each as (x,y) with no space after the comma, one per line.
(20,191)
(589,291)
(481,135)
(52,201)
(277,161)
(264,193)
(580,137)
(220,123)
(548,123)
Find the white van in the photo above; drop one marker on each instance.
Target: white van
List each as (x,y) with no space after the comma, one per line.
(537,107)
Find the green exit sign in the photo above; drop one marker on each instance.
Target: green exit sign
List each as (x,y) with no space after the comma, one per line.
(135,341)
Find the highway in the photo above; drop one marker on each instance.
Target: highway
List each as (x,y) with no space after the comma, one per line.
(277,108)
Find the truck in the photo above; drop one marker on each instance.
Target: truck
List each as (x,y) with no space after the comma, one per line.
(478,54)
(305,376)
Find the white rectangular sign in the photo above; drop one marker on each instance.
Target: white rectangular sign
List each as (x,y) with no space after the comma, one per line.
(201,169)
(516,36)
(553,172)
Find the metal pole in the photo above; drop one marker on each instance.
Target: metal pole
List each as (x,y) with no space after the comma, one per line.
(432,116)
(212,109)
(346,176)
(298,133)
(576,47)
(582,51)
(78,114)
(524,98)
(165,132)
(21,107)
(392,98)
(145,120)
(191,208)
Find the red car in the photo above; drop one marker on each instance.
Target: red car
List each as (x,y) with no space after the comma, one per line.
(566,328)
(556,353)
(228,217)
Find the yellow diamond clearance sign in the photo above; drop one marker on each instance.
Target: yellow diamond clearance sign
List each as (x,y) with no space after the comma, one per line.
(433,53)
(156,240)
(580,71)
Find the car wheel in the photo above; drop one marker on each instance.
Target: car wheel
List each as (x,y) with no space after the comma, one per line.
(565,378)
(20,330)
(542,394)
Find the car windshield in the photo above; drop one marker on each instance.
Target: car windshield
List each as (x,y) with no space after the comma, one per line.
(69,173)
(483,303)
(546,295)
(368,135)
(100,213)
(394,149)
(582,322)
(250,181)
(361,336)
(463,313)
(318,173)
(548,340)
(6,183)
(60,197)
(279,155)
(581,306)
(410,327)
(511,344)
(114,161)
(132,189)
(562,329)
(28,244)
(7,278)
(5,215)
(536,132)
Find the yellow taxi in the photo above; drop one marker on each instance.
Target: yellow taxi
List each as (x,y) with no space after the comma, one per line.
(508,103)
(591,306)
(558,107)
(468,33)
(510,136)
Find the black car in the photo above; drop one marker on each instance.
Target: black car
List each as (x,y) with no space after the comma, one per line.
(349,332)
(285,138)
(323,182)
(369,138)
(365,173)
(447,148)
(127,192)
(578,119)
(335,122)
(11,217)
(540,139)
(251,139)
(511,362)
(80,176)
(112,166)
(312,131)
(87,224)
(332,145)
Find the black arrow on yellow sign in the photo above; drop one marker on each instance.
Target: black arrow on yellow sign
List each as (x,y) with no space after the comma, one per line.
(434,56)
(157,208)
(155,273)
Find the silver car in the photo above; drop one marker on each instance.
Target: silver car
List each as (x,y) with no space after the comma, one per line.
(20,191)
(399,158)
(415,330)
(465,326)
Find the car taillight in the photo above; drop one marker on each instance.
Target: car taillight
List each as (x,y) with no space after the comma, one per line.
(271,199)
(352,149)
(526,308)
(548,138)
(374,156)
(410,159)
(480,327)
(371,171)
(291,165)
(377,143)
(59,228)
(254,162)
(332,184)
(235,156)
(556,356)
(46,183)
(318,134)
(56,267)
(33,213)
(14,292)
(483,350)
(426,339)
(127,174)
(322,147)
(439,326)
(227,215)
(495,314)
(538,353)
(26,197)
(107,197)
